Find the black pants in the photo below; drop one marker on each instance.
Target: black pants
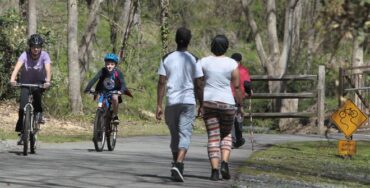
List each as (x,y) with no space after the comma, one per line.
(237,132)
(37,94)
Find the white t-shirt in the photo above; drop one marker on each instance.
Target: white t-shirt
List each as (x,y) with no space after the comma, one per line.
(217,73)
(180,68)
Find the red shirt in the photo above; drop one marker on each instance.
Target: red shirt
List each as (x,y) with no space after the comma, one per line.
(244,76)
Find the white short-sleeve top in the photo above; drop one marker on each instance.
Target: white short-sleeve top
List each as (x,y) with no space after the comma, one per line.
(180,68)
(217,72)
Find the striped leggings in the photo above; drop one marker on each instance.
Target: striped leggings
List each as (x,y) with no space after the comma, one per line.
(219,120)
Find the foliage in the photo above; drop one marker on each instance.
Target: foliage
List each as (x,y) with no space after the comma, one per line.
(348,16)
(12,43)
(143,51)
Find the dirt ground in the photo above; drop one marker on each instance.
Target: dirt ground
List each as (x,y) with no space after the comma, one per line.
(9,117)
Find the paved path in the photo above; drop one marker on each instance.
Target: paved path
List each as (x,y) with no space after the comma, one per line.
(138,162)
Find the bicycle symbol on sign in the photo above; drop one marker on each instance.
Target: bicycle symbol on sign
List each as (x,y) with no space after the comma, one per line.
(347,116)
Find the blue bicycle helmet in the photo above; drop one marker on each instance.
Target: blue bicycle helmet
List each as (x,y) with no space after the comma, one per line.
(111,57)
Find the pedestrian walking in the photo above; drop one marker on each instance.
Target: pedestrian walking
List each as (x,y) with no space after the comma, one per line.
(245,88)
(178,71)
(219,107)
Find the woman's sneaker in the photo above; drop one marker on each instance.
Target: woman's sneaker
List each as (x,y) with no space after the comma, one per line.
(225,170)
(215,176)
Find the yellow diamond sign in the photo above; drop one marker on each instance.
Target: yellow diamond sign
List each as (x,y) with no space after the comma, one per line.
(348,118)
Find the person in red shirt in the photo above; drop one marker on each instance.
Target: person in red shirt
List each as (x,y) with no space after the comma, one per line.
(245,87)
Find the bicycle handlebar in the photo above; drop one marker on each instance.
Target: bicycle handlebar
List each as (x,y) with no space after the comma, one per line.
(109,92)
(30,85)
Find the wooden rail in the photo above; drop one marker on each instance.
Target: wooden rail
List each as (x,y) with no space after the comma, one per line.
(283,95)
(284,78)
(284,115)
(318,94)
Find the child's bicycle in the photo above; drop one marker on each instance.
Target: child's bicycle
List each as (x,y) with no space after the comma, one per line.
(30,120)
(104,128)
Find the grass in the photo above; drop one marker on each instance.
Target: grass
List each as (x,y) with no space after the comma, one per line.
(125,129)
(311,163)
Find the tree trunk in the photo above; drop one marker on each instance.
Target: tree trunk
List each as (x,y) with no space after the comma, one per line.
(23,9)
(73,65)
(114,7)
(131,8)
(32,17)
(288,105)
(275,63)
(85,46)
(358,60)
(164,25)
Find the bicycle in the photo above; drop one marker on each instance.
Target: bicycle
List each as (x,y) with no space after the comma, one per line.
(30,120)
(104,128)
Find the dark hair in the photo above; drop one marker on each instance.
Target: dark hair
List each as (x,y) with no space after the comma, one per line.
(219,45)
(35,40)
(237,57)
(183,36)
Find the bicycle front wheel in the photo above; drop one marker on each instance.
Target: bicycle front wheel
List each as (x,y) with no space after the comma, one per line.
(26,129)
(99,131)
(112,137)
(33,134)
(33,137)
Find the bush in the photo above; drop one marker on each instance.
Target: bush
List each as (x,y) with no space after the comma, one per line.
(12,42)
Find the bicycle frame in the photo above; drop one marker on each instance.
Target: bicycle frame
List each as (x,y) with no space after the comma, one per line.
(29,132)
(103,126)
(104,101)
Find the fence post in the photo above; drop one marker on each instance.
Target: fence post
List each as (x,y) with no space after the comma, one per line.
(340,86)
(321,100)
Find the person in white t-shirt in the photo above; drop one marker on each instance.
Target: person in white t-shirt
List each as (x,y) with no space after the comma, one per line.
(178,71)
(219,105)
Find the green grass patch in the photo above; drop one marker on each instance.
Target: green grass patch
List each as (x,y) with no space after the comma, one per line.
(63,138)
(313,163)
(127,128)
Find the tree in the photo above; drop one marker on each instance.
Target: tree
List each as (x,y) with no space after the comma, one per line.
(85,46)
(130,13)
(164,25)
(73,64)
(275,62)
(350,20)
(32,17)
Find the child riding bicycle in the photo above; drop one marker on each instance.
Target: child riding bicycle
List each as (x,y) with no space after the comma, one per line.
(110,78)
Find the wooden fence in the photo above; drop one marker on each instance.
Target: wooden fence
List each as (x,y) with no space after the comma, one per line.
(317,93)
(354,84)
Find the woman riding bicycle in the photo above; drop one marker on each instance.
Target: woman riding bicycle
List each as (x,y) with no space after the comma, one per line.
(110,79)
(35,67)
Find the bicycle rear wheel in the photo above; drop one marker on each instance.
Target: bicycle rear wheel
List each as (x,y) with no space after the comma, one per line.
(26,129)
(99,130)
(112,137)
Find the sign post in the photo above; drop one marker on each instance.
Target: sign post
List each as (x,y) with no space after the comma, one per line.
(348,119)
